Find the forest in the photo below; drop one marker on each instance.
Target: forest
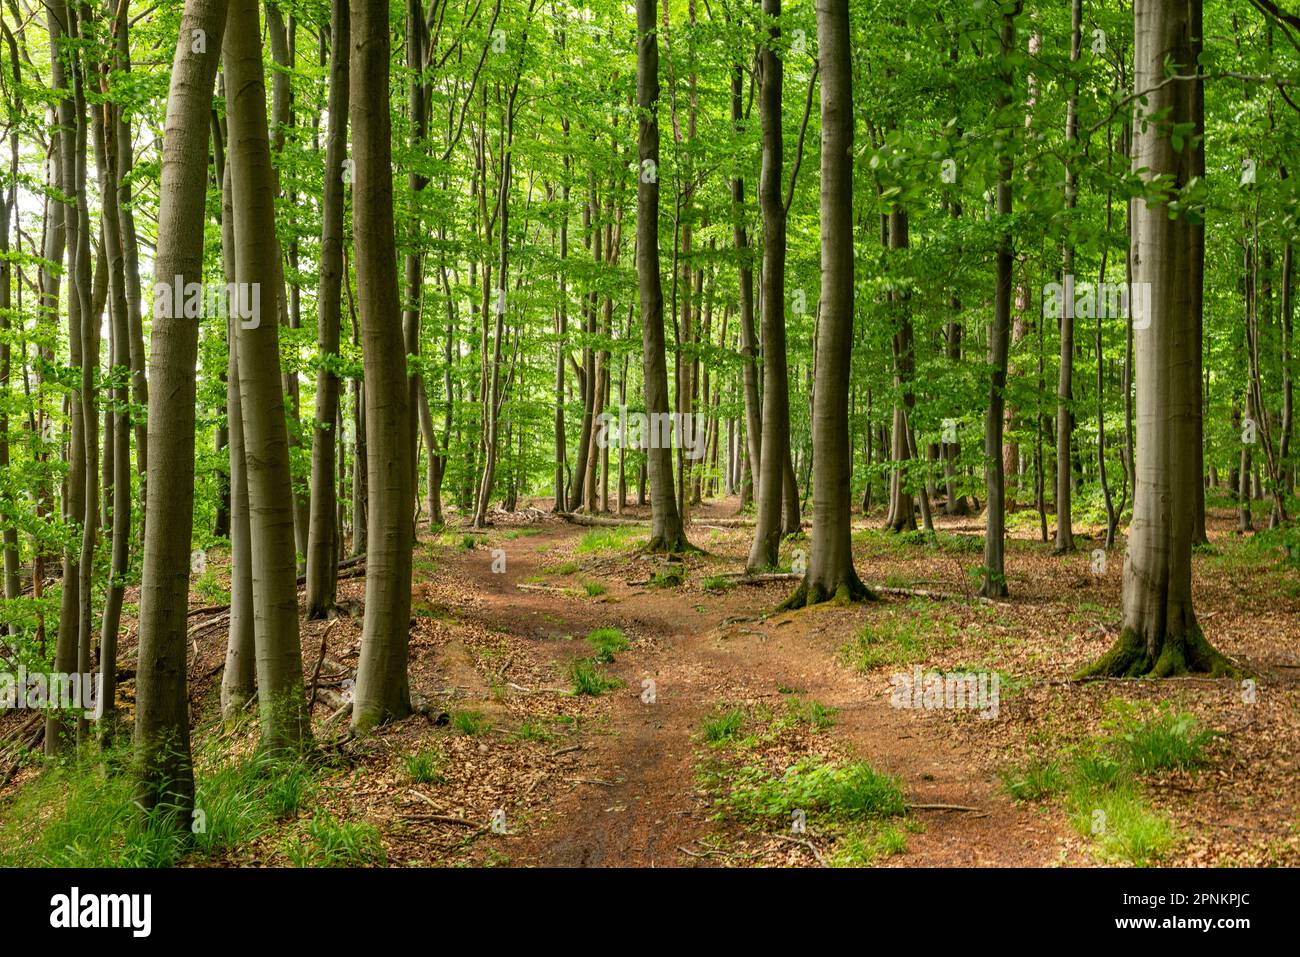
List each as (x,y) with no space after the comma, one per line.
(694,433)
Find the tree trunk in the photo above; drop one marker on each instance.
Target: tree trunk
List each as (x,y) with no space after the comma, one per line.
(775,446)
(162,720)
(748,339)
(995,582)
(666,531)
(1160,634)
(239,679)
(271,502)
(322,545)
(902,508)
(1064,386)
(830,573)
(119,438)
(382,690)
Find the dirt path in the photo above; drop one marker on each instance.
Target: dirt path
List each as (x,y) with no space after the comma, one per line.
(632,800)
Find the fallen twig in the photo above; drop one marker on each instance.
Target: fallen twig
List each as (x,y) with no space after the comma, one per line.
(946,807)
(804,843)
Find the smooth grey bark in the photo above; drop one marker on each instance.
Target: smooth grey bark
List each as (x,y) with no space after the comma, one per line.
(131,264)
(239,678)
(830,574)
(745,256)
(994,584)
(902,504)
(285,727)
(162,726)
(282,41)
(1160,634)
(58,729)
(322,538)
(8,203)
(666,531)
(1064,385)
(774,457)
(382,690)
(118,440)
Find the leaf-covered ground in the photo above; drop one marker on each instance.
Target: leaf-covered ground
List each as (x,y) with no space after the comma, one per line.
(696,728)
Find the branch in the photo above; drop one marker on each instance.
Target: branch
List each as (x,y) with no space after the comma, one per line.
(803,129)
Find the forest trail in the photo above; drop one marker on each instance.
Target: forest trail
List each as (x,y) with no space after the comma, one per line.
(632,799)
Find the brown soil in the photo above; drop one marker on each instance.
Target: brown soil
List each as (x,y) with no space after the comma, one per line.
(614,780)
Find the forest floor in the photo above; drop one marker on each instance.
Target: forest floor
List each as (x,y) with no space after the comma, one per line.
(717,719)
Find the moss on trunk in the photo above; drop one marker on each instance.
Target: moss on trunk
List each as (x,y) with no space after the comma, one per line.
(844,593)
(1179,654)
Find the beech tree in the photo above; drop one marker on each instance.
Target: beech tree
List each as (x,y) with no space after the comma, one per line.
(382,691)
(261,397)
(323,544)
(830,573)
(162,719)
(1161,635)
(666,531)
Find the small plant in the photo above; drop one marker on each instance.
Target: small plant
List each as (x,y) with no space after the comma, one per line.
(467,543)
(588,678)
(209,588)
(1167,739)
(862,846)
(1125,828)
(533,731)
(424,767)
(901,637)
(812,713)
(842,792)
(1035,781)
(594,589)
(606,641)
(564,568)
(670,577)
(469,722)
(723,726)
(1096,772)
(717,584)
(333,843)
(614,539)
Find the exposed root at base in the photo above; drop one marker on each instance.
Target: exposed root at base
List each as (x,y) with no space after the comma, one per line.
(843,593)
(1180,654)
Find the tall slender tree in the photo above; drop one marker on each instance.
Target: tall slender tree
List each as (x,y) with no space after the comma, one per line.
(774,456)
(281,705)
(1161,635)
(322,539)
(382,689)
(667,534)
(830,574)
(994,584)
(162,719)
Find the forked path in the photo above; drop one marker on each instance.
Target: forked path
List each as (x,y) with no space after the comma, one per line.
(631,797)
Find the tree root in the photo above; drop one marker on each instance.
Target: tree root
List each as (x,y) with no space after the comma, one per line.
(659,545)
(848,592)
(1180,654)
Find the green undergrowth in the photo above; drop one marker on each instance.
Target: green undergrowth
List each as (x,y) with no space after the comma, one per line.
(588,677)
(80,811)
(616,538)
(903,635)
(847,807)
(605,642)
(1100,781)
